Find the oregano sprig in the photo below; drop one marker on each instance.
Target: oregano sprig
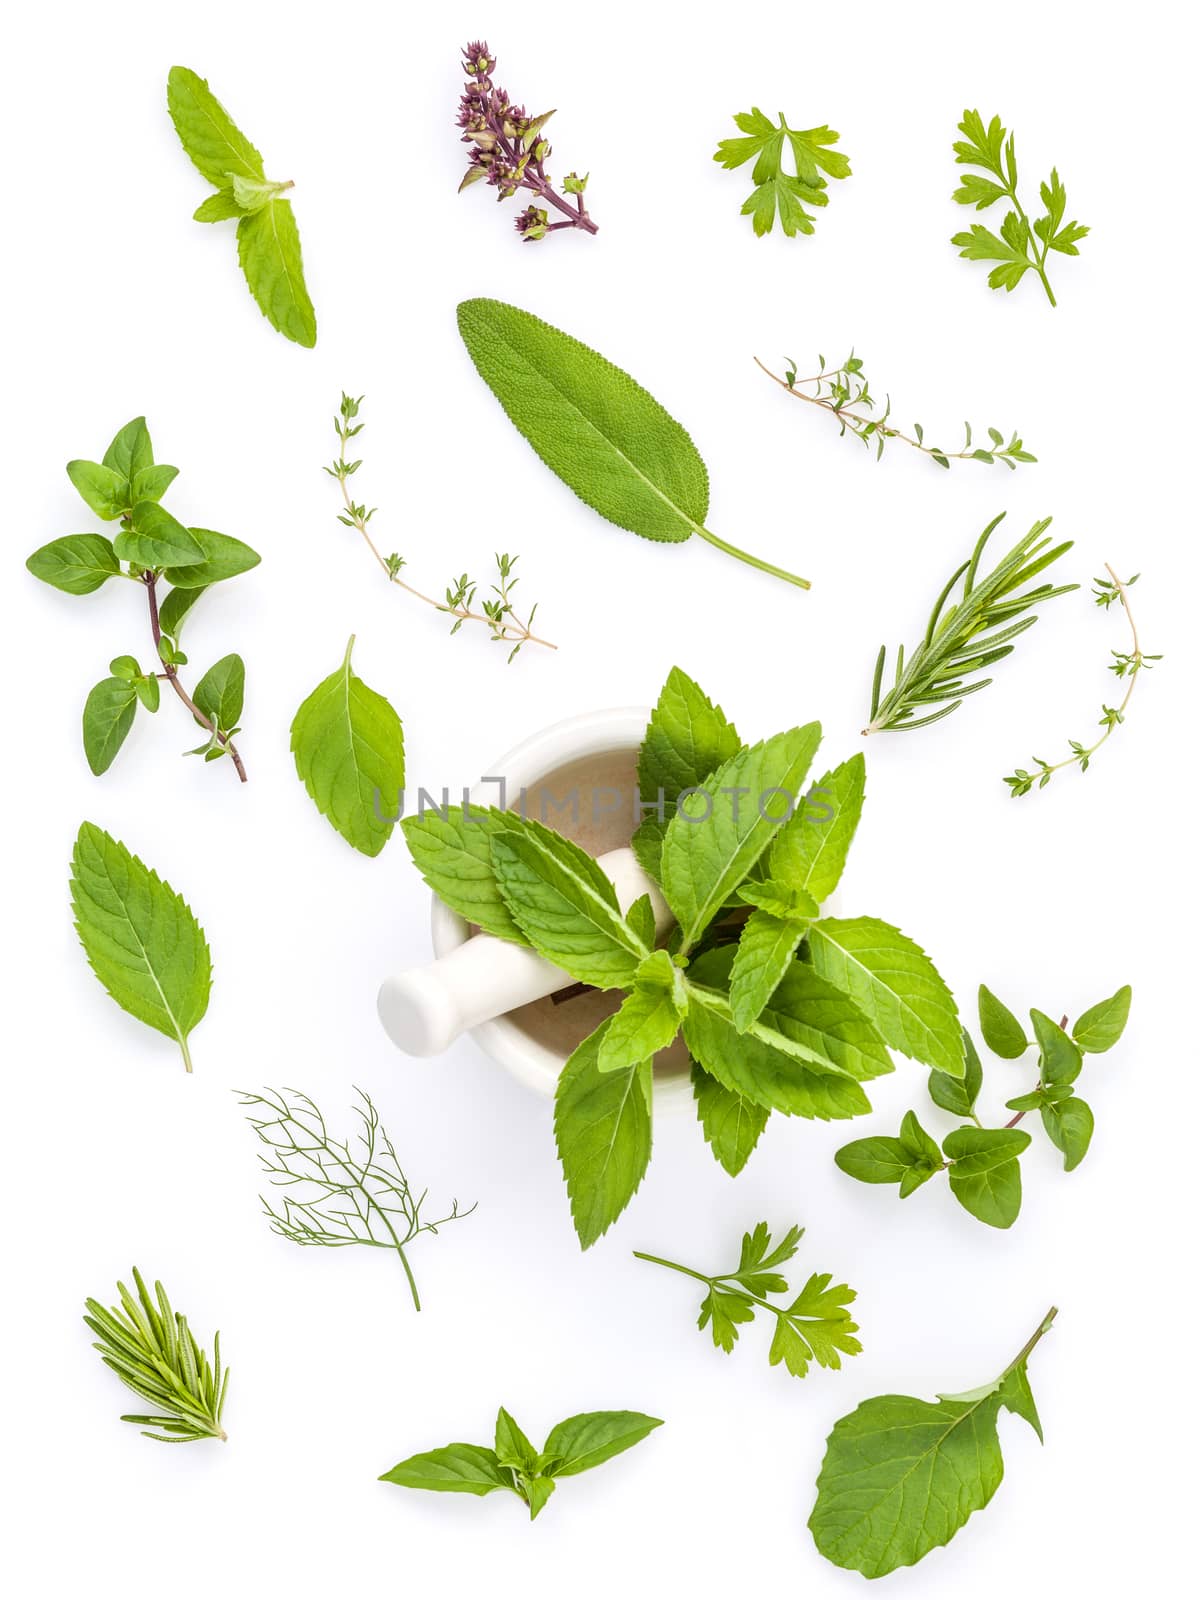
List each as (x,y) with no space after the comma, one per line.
(1126,664)
(838,390)
(127,487)
(815,1326)
(497,612)
(1022,246)
(965,635)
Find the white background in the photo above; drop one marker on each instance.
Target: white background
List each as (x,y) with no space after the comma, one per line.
(118,303)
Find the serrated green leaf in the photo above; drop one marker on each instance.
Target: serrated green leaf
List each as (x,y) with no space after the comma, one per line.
(1099,1028)
(1002,1033)
(221,557)
(958,1095)
(810,851)
(221,691)
(215,145)
(108,714)
(765,950)
(816,1327)
(348,745)
(687,739)
(602,1129)
(219,207)
(77,564)
(270,257)
(453,853)
(647,1022)
(140,938)
(252,194)
(780,900)
(454,1469)
(723,1310)
(731,1124)
(641,919)
(895,985)
(156,539)
(102,488)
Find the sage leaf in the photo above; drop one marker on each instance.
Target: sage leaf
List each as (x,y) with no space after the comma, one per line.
(1099,1028)
(582,1442)
(902,1476)
(810,850)
(219,207)
(894,983)
(731,1124)
(76,564)
(1070,1126)
(131,451)
(454,1469)
(221,691)
(269,252)
(220,557)
(140,938)
(564,905)
(597,429)
(686,740)
(717,834)
(602,1130)
(452,850)
(216,147)
(102,488)
(958,1095)
(348,746)
(1062,1059)
(1002,1033)
(156,539)
(108,714)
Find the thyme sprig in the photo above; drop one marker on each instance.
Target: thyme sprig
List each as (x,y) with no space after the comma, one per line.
(497,613)
(153,1351)
(967,635)
(1126,664)
(838,390)
(340,1193)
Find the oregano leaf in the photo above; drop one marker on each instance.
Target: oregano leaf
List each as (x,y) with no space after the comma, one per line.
(108,714)
(76,564)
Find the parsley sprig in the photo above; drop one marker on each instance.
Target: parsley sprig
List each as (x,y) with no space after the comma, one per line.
(774,189)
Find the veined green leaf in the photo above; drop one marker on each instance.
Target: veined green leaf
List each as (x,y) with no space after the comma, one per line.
(647,1022)
(131,451)
(221,691)
(101,487)
(1099,1028)
(809,852)
(456,1468)
(687,739)
(580,1443)
(1062,1058)
(140,937)
(269,252)
(732,1124)
(1002,1033)
(895,984)
(175,607)
(765,950)
(156,539)
(602,1129)
(219,207)
(513,1448)
(151,483)
(108,715)
(985,1175)
(215,145)
(221,557)
(1070,1126)
(348,744)
(958,1095)
(76,564)
(453,853)
(717,834)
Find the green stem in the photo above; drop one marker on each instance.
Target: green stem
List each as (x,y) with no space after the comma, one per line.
(187,1054)
(1032,1342)
(729,1280)
(674,1266)
(752,561)
(1038,261)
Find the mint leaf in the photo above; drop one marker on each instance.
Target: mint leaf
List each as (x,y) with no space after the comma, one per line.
(219,207)
(810,851)
(348,745)
(108,714)
(1002,1033)
(1061,1057)
(780,900)
(687,739)
(896,986)
(269,252)
(585,1441)
(1070,1126)
(221,691)
(156,539)
(454,1469)
(76,564)
(813,1012)
(215,145)
(140,938)
(102,488)
(647,1022)
(731,1124)
(602,1129)
(958,1095)
(765,950)
(252,194)
(1099,1028)
(453,853)
(220,557)
(564,905)
(716,836)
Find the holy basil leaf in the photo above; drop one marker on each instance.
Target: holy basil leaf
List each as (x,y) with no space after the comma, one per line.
(102,488)
(452,849)
(958,1095)
(140,938)
(1002,1033)
(108,714)
(1062,1058)
(1070,1126)
(810,850)
(602,1129)
(269,252)
(76,564)
(348,745)
(220,557)
(156,539)
(894,983)
(215,146)
(731,1123)
(585,1441)
(1099,1028)
(221,691)
(513,1449)
(717,835)
(687,739)
(454,1469)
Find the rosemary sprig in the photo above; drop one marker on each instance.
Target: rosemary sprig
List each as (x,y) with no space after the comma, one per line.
(838,390)
(154,1352)
(340,1195)
(967,635)
(496,613)
(1126,664)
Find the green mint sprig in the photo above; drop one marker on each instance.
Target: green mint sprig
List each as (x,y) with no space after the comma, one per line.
(573,1446)
(1126,664)
(1022,246)
(776,191)
(268,240)
(151,547)
(901,1476)
(838,390)
(781,1007)
(497,612)
(982,1164)
(816,1325)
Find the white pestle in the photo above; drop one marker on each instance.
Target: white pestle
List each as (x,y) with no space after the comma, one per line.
(425,1009)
